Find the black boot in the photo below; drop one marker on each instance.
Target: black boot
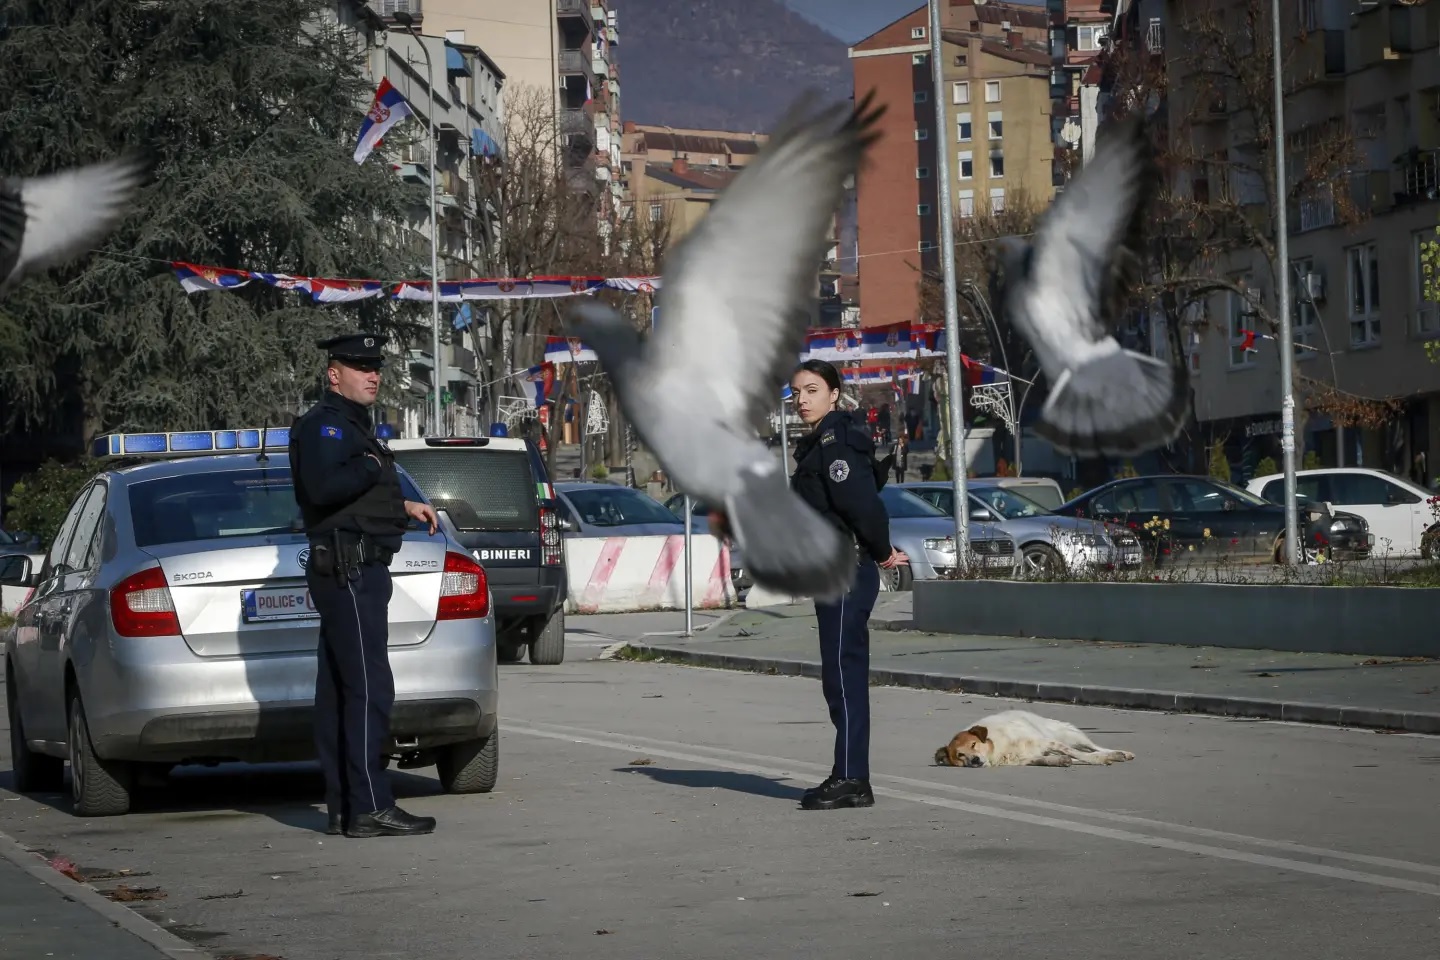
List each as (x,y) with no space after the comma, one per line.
(392,822)
(838,792)
(335,827)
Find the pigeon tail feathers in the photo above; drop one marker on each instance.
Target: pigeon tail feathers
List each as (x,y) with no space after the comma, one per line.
(789,547)
(1118,403)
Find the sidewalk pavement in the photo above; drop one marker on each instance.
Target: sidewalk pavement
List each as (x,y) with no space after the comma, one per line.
(1342,690)
(45,914)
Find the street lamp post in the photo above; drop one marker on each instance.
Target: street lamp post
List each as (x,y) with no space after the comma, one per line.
(1287,342)
(408,22)
(952,309)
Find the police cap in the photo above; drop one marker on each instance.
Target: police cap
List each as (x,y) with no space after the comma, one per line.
(358,348)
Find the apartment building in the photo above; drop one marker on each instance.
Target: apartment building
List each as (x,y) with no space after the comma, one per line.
(997,95)
(564,48)
(467,99)
(1360,320)
(1078,32)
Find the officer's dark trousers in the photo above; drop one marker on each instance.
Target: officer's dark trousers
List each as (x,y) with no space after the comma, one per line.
(845,670)
(354,688)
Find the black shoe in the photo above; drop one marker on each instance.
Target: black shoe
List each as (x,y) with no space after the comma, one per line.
(334,828)
(837,792)
(392,822)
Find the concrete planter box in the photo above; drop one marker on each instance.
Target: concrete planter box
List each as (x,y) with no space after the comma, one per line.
(1369,621)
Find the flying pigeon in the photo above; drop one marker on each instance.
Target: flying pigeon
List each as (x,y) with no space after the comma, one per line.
(736,296)
(48,220)
(1062,291)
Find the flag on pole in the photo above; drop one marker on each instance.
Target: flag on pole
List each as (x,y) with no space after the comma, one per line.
(388,109)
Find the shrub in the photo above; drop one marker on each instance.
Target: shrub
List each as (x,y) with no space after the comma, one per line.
(1266,466)
(39,501)
(1219,465)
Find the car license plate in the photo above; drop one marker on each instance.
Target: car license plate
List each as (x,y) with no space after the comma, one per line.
(277,603)
(999,561)
(1132,556)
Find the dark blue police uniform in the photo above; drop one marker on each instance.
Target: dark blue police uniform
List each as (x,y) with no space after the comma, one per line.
(354,512)
(836,473)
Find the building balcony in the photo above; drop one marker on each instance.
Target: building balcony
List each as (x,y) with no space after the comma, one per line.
(567,9)
(460,364)
(600,66)
(576,63)
(1417,176)
(577,120)
(1312,213)
(1155,36)
(1412,29)
(414,172)
(386,9)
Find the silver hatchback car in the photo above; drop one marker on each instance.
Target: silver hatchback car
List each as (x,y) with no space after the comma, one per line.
(170,623)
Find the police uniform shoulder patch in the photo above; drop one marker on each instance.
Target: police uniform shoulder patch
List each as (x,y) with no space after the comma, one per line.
(827,437)
(839,470)
(329,432)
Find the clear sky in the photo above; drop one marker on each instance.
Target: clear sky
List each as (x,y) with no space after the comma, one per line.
(853,20)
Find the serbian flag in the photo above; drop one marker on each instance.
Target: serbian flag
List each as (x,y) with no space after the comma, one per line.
(344,291)
(196,279)
(388,109)
(543,376)
(564,350)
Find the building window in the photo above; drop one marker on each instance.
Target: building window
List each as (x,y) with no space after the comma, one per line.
(1309,16)
(923,210)
(963,128)
(992,91)
(920,59)
(917,33)
(996,125)
(1088,36)
(1304,313)
(997,164)
(997,200)
(922,133)
(960,91)
(1241,318)
(1363,275)
(967,165)
(922,173)
(967,204)
(922,96)
(1427,312)
(927,246)
(656,212)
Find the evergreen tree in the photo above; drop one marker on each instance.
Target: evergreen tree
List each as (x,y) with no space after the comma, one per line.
(250,111)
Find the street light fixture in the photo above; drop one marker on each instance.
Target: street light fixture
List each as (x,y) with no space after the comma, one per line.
(405,20)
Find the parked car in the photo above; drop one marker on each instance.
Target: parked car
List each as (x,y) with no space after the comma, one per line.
(609,510)
(700,524)
(498,495)
(1192,519)
(1397,510)
(1049,543)
(1042,490)
(927,536)
(171,624)
(18,541)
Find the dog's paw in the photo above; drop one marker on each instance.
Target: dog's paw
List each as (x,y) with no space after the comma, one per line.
(1125,755)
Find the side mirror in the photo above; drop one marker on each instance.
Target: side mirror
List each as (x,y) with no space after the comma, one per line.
(980,513)
(18,572)
(563,524)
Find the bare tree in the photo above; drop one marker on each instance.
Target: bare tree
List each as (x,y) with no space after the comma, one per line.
(547,215)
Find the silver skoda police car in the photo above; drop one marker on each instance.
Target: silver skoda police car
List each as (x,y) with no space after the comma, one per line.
(170,624)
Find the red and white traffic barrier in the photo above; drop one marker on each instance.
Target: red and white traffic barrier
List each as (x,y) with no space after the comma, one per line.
(630,574)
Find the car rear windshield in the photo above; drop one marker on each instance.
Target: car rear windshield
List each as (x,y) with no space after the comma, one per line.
(618,507)
(481,490)
(213,506)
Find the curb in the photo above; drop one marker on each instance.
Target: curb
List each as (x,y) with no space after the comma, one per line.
(164,941)
(1167,701)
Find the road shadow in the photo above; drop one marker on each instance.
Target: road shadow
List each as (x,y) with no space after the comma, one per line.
(291,794)
(719,780)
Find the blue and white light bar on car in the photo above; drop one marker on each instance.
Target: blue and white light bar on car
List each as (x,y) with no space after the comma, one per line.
(189,443)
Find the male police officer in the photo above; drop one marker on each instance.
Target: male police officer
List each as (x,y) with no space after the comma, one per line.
(355,516)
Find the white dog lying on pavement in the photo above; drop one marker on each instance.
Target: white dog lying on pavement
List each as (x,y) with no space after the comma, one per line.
(1015,738)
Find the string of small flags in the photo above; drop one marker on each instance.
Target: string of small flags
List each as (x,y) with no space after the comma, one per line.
(197,278)
(1247,343)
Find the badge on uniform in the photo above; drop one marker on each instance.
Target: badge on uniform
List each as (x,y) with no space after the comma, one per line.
(332,433)
(380,442)
(839,470)
(827,437)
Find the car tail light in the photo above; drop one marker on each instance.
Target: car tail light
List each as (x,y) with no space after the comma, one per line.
(464,589)
(141,606)
(552,552)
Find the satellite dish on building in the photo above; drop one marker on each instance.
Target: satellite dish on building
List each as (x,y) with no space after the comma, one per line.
(1070,131)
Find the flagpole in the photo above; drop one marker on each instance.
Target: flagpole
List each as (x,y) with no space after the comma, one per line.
(946,225)
(408,22)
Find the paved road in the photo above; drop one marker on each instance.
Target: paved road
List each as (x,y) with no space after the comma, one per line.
(1223,839)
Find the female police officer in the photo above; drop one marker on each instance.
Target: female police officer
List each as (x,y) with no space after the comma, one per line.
(835,473)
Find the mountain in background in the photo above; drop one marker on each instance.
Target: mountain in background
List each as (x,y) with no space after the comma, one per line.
(731,65)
